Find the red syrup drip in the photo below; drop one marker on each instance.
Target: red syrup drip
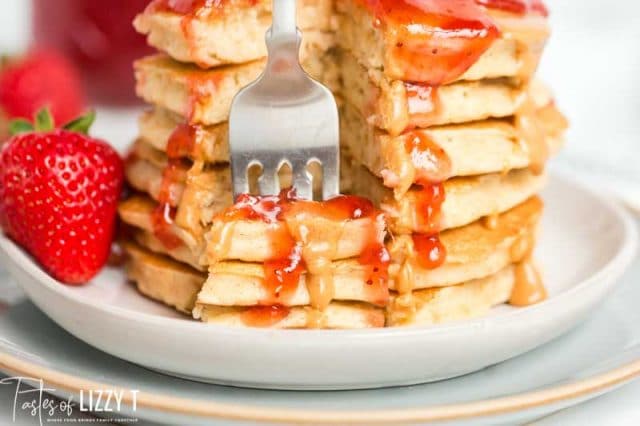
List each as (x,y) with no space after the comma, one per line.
(430,251)
(264,316)
(181,144)
(434,41)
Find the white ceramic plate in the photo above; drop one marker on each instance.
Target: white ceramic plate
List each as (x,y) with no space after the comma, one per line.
(586,245)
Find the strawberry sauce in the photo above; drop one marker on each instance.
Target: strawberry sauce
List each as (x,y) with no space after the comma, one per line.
(434,41)
(264,316)
(164,214)
(431,162)
(181,144)
(432,166)
(430,251)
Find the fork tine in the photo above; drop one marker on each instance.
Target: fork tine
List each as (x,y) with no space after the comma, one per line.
(240,175)
(330,174)
(303,181)
(269,182)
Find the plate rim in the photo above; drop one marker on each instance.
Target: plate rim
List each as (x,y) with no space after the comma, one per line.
(621,259)
(589,386)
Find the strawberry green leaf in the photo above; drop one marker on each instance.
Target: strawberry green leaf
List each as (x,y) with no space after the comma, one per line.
(81,124)
(44,120)
(19,126)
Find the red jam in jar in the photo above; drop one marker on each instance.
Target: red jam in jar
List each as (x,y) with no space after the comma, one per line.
(99,38)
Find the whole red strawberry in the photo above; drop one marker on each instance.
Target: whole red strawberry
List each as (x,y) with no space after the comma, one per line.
(38,79)
(59,191)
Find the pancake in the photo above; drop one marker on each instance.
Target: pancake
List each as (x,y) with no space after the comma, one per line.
(338,315)
(258,229)
(242,284)
(138,211)
(466,199)
(207,143)
(250,241)
(182,253)
(395,105)
(473,251)
(510,45)
(438,305)
(229,34)
(205,96)
(163,279)
(442,152)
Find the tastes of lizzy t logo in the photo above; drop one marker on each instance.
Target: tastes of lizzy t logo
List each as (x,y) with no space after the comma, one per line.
(32,398)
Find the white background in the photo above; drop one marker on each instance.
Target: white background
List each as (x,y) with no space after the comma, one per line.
(592,63)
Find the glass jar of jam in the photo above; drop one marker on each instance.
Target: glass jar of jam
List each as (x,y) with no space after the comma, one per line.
(99,38)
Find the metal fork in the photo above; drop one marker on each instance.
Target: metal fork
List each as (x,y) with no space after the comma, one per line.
(284,117)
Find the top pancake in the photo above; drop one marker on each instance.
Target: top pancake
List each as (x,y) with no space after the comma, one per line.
(224,33)
(409,44)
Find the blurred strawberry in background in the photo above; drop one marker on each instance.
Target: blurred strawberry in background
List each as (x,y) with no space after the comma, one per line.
(40,78)
(98,37)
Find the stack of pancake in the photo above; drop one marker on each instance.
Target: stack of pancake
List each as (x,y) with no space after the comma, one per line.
(285,262)
(443,129)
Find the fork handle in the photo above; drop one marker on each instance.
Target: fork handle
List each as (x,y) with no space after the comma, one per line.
(284,18)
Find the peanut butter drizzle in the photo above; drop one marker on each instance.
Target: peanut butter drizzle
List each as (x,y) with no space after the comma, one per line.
(220,239)
(189,214)
(316,319)
(392,106)
(531,135)
(528,287)
(319,248)
(202,87)
(405,280)
(491,221)
(423,105)
(417,160)
(522,247)
(530,33)
(402,310)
